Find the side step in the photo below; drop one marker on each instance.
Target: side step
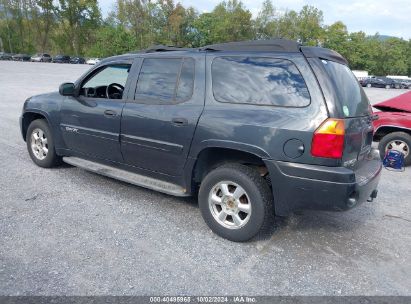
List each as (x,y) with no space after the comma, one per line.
(128,177)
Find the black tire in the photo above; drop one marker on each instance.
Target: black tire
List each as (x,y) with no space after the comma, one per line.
(400,136)
(261,217)
(51,159)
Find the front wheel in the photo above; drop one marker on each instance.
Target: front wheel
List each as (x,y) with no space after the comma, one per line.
(236,202)
(40,144)
(399,141)
(369,85)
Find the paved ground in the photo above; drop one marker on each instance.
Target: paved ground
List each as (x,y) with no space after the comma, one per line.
(69,232)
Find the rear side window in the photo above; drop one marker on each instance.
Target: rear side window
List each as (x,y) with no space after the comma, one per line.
(165,80)
(353,100)
(258,80)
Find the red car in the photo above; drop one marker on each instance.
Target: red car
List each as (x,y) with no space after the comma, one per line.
(393,127)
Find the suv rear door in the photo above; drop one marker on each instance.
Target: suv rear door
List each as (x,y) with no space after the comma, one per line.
(158,125)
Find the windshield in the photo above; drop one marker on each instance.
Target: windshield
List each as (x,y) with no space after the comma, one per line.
(350,94)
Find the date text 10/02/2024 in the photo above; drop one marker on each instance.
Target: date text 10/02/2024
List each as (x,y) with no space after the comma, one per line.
(205,299)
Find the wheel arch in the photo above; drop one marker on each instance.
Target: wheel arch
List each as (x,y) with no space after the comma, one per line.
(213,156)
(384,130)
(28,117)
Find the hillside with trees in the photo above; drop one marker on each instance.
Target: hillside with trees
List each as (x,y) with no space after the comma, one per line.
(77,27)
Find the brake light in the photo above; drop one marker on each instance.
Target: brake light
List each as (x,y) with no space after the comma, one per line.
(328,139)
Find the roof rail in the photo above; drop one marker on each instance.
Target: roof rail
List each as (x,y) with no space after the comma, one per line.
(164,48)
(271,45)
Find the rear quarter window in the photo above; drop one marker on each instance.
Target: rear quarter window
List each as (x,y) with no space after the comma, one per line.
(259,81)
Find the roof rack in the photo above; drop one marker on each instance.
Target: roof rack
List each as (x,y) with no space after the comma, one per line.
(271,45)
(164,48)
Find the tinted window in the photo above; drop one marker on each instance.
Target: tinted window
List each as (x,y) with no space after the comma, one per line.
(165,80)
(353,100)
(258,80)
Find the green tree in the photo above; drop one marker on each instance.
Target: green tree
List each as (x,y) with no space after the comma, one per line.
(78,20)
(229,21)
(266,23)
(336,37)
(393,57)
(112,40)
(309,23)
(46,22)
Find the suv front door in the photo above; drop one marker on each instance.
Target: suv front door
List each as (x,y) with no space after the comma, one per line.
(158,125)
(90,120)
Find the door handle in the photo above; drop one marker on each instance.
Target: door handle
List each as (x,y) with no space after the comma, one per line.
(109,113)
(179,121)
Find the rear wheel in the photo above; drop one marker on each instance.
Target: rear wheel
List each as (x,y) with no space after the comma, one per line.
(399,141)
(236,202)
(40,144)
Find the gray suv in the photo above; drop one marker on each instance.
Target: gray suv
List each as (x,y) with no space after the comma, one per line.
(254,129)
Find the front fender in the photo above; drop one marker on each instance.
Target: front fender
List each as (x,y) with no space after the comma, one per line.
(45,106)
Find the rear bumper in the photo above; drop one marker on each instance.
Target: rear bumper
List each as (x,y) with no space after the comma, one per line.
(301,186)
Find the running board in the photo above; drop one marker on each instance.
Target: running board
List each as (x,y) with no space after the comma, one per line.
(126,176)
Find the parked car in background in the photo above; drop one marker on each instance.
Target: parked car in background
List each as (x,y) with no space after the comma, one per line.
(93,61)
(405,84)
(5,56)
(61,59)
(379,82)
(77,60)
(257,138)
(21,57)
(41,57)
(392,129)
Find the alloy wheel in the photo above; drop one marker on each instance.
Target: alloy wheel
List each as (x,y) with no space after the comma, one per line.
(229,204)
(39,144)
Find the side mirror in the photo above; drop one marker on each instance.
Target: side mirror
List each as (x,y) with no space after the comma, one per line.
(67,89)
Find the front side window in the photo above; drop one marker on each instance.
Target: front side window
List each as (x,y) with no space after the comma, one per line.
(258,80)
(165,80)
(109,82)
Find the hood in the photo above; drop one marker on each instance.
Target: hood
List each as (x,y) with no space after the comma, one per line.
(401,103)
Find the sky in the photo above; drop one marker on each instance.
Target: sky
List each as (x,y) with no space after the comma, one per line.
(392,17)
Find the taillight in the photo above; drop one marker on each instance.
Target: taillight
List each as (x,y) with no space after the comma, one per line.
(328,139)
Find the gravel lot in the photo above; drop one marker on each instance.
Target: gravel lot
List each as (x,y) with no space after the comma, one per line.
(65,231)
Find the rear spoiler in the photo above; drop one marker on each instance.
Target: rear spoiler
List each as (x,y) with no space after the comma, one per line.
(322,53)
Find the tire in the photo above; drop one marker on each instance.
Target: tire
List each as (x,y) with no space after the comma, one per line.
(257,199)
(387,86)
(369,85)
(40,129)
(400,139)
